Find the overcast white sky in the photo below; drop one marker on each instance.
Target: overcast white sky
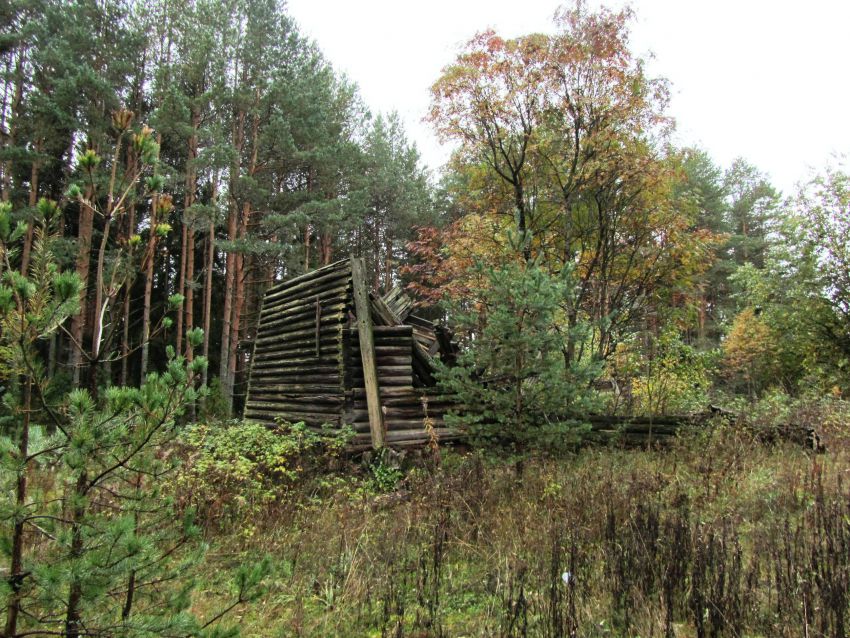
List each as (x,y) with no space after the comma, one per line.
(763,79)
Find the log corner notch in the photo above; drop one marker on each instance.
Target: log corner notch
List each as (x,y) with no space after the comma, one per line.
(329,352)
(362,308)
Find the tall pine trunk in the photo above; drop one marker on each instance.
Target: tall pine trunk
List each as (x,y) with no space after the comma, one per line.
(16,575)
(12,137)
(102,296)
(239,302)
(181,277)
(149,263)
(150,255)
(208,285)
(78,321)
(125,312)
(238,138)
(229,290)
(191,184)
(208,279)
(33,200)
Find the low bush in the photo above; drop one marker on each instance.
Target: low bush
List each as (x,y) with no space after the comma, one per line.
(236,470)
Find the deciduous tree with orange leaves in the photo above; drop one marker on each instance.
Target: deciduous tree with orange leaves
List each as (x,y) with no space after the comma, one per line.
(564,138)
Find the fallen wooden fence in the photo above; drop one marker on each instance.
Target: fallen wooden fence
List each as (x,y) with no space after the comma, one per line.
(644,430)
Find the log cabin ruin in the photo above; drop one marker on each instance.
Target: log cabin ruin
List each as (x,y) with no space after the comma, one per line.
(329,352)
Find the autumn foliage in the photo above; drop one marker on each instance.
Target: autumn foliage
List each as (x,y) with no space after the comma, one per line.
(564,158)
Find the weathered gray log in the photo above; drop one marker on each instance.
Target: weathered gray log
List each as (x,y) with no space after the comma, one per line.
(359,393)
(308,313)
(285,326)
(296,288)
(292,348)
(342,264)
(292,365)
(308,332)
(367,351)
(337,292)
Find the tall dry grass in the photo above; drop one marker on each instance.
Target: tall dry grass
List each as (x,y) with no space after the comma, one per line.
(717,535)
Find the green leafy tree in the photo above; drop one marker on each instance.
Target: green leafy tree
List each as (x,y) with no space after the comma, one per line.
(801,293)
(665,375)
(753,203)
(397,197)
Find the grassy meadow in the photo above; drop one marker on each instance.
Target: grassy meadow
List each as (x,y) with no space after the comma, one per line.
(716,534)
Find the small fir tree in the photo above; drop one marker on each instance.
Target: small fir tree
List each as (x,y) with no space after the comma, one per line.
(512,375)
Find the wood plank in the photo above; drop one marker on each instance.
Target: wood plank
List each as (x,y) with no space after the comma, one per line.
(403,391)
(307,332)
(284,325)
(304,311)
(367,351)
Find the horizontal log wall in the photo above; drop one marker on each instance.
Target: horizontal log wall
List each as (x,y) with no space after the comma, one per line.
(307,364)
(404,406)
(297,365)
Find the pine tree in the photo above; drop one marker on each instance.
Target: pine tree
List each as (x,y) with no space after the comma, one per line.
(33,305)
(90,553)
(513,374)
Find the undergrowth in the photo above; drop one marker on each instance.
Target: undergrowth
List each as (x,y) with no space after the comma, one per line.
(717,535)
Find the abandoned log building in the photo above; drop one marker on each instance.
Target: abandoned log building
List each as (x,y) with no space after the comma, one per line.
(330,352)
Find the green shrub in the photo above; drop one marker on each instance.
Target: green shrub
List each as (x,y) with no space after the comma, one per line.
(665,374)
(235,470)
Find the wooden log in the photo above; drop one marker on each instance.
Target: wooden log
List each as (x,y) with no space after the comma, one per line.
(367,351)
(398,302)
(388,370)
(304,388)
(323,279)
(284,326)
(270,418)
(337,291)
(405,414)
(358,393)
(420,322)
(423,366)
(296,334)
(318,404)
(263,383)
(328,337)
(304,311)
(291,415)
(387,382)
(328,351)
(398,340)
(409,435)
(270,380)
(342,264)
(299,365)
(269,406)
(381,351)
(392,331)
(385,360)
(333,294)
(337,268)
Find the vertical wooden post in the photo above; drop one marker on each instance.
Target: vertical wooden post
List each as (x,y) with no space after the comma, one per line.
(362,307)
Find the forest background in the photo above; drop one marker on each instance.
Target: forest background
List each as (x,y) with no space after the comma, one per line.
(270,164)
